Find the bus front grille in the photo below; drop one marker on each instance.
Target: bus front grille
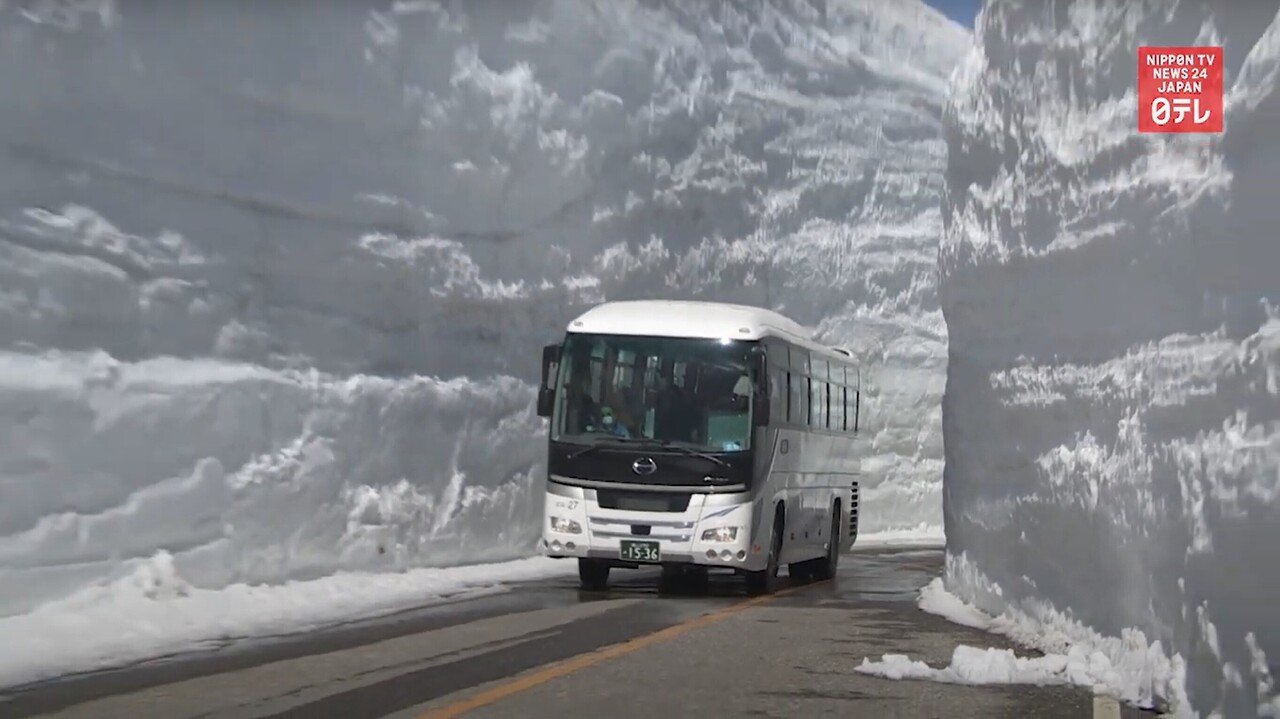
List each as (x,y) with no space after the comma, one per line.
(642,501)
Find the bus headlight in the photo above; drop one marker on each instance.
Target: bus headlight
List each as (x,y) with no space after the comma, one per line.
(565,526)
(720,534)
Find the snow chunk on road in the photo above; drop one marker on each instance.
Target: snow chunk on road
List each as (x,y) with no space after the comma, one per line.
(154,612)
(1126,667)
(935,599)
(971,665)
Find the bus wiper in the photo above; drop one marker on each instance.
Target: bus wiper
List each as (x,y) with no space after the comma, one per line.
(622,442)
(599,443)
(669,444)
(579,452)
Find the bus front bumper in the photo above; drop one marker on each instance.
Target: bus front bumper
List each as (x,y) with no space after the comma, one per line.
(611,555)
(600,533)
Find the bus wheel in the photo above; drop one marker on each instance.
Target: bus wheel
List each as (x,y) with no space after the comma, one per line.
(826,568)
(766,580)
(593,575)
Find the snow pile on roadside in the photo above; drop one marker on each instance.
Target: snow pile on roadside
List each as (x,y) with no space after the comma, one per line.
(155,612)
(1112,411)
(921,535)
(433,192)
(272,306)
(244,474)
(1128,668)
(935,599)
(971,665)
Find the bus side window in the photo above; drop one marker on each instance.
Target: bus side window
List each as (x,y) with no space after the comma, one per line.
(834,410)
(790,411)
(846,416)
(805,399)
(818,404)
(799,411)
(778,397)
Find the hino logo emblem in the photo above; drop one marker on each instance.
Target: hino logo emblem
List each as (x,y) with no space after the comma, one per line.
(644,465)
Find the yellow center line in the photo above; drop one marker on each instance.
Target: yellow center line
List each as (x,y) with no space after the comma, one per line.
(568,666)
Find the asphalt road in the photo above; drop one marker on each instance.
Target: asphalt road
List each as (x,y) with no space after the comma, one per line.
(547,649)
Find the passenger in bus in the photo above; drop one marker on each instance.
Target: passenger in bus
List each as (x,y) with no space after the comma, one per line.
(626,408)
(609,423)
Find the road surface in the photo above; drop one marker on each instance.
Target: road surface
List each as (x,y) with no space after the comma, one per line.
(547,649)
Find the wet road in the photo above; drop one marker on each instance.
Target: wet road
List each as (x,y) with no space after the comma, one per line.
(547,649)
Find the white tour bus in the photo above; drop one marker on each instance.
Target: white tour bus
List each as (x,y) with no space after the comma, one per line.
(697,435)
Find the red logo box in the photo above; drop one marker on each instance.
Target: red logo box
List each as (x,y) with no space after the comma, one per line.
(1180,89)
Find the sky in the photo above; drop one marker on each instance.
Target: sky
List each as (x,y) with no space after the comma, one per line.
(962,11)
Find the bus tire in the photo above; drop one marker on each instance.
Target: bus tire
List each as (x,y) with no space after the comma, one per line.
(593,575)
(826,568)
(765,581)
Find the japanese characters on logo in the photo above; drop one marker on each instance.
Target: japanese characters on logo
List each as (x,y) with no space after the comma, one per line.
(1180,89)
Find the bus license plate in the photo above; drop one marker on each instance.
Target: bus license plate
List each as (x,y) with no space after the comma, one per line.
(633,551)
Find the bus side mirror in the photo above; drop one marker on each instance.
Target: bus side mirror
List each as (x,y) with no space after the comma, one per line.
(760,405)
(547,387)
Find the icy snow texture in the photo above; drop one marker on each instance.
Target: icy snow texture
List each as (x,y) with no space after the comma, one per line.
(1126,667)
(972,665)
(273,278)
(246,474)
(155,612)
(1112,413)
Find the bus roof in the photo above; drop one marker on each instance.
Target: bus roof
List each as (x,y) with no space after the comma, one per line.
(677,318)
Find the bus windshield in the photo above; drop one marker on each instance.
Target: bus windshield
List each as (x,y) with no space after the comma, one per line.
(694,393)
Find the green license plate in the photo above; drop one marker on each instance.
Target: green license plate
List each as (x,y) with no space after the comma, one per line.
(633,551)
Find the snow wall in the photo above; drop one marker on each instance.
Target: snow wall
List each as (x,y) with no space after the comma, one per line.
(1112,408)
(274,278)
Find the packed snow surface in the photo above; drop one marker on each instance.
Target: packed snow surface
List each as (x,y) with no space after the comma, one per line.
(921,535)
(273,279)
(1112,411)
(972,665)
(155,612)
(1127,668)
(239,473)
